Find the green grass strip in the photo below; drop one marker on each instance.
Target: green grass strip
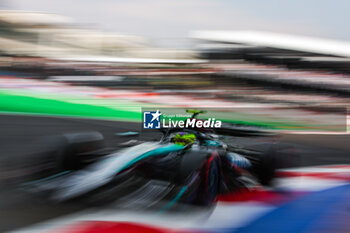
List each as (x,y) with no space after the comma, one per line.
(34,105)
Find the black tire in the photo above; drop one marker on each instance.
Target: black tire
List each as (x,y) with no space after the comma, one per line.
(47,159)
(81,149)
(72,151)
(267,166)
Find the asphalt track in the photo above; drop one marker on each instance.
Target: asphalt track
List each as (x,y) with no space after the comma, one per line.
(20,136)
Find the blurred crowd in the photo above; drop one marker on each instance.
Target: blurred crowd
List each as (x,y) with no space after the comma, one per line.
(242,68)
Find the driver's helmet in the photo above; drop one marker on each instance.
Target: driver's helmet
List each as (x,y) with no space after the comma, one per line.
(183,138)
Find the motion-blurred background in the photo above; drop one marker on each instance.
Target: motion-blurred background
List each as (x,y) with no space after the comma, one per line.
(137,53)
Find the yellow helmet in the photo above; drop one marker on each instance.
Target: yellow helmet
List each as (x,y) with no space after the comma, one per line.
(184,138)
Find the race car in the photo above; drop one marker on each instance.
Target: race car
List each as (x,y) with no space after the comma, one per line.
(187,166)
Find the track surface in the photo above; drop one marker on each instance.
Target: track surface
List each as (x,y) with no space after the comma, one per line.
(20,135)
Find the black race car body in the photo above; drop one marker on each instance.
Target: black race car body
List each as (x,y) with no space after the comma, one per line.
(196,173)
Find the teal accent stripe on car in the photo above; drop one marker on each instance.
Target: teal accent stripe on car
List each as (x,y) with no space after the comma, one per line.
(156,152)
(173,201)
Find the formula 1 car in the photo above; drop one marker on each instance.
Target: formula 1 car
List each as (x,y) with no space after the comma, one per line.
(78,166)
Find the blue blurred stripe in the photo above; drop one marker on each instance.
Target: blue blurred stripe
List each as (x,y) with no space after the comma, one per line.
(307,214)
